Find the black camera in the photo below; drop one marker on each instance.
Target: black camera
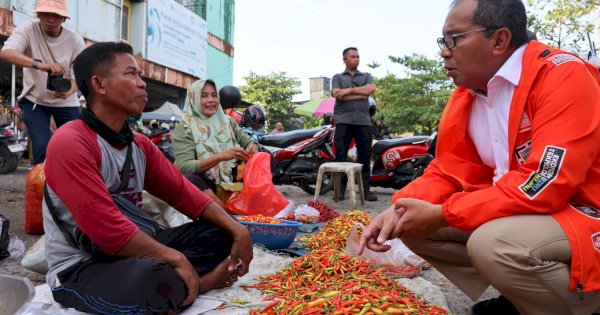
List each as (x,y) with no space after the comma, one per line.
(57,83)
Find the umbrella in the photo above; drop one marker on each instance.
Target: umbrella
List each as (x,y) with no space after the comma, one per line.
(316,107)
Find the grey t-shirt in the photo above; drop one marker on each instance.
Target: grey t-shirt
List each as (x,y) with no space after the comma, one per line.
(351,112)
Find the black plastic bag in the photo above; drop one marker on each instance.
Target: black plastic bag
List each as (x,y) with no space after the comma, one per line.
(4,237)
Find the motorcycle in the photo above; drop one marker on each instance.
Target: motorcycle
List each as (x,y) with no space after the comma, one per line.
(399,161)
(162,139)
(299,153)
(158,134)
(422,163)
(297,156)
(11,150)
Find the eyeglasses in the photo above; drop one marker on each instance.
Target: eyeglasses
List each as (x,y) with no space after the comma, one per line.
(449,41)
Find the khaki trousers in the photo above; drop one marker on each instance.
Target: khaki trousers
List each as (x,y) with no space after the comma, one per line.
(525,257)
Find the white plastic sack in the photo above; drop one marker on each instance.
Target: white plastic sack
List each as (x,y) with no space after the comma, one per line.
(352,155)
(16,247)
(289,209)
(306,214)
(165,215)
(399,255)
(35,257)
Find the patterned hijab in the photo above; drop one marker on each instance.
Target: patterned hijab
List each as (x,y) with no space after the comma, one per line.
(212,135)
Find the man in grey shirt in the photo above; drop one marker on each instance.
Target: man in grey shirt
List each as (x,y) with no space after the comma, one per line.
(351,90)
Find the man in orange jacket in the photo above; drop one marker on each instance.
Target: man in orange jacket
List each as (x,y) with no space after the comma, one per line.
(513,194)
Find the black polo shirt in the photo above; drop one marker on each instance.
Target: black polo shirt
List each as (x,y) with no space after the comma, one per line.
(351,112)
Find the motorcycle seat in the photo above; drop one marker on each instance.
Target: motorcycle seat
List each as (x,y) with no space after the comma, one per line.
(285,139)
(383,145)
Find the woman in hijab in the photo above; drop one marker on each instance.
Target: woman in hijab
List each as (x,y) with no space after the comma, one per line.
(208,144)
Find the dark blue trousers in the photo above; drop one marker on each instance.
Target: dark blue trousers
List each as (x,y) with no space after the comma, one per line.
(117,285)
(37,120)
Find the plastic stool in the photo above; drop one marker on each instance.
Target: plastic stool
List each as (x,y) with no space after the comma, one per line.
(352,170)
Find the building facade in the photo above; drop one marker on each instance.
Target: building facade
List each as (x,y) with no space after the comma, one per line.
(175,41)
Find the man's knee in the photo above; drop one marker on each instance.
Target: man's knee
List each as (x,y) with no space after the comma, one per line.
(150,272)
(160,283)
(494,242)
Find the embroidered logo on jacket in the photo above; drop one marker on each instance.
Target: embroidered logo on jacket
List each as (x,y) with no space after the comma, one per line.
(550,164)
(587,211)
(522,152)
(559,59)
(596,241)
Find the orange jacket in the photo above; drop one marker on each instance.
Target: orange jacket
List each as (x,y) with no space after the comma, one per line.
(554,168)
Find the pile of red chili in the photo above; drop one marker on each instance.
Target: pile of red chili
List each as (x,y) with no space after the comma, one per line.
(331,282)
(325,211)
(335,233)
(258,218)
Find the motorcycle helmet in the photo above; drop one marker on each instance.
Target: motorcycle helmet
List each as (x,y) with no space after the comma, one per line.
(230,96)
(254,117)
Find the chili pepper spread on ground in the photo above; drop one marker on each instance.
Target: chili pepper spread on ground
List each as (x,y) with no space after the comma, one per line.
(335,233)
(259,218)
(331,282)
(325,211)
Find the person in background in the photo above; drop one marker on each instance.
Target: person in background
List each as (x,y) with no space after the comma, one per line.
(512,197)
(208,144)
(123,268)
(380,131)
(351,90)
(43,47)
(278,128)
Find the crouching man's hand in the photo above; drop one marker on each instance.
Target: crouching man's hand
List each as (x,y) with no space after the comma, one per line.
(381,229)
(407,218)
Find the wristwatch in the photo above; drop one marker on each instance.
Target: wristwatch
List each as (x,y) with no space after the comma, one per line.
(35,63)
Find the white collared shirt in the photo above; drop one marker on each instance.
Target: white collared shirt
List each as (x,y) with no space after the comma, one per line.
(488,123)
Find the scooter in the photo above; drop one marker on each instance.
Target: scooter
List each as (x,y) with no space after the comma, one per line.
(422,163)
(297,156)
(399,161)
(160,135)
(299,153)
(11,150)
(162,139)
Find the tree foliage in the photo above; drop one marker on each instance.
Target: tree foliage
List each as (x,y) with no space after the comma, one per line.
(413,103)
(273,93)
(563,22)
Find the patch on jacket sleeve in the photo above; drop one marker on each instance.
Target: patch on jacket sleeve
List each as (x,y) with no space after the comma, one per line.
(596,241)
(559,59)
(550,165)
(588,211)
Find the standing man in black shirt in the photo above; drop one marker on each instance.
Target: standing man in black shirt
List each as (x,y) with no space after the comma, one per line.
(351,90)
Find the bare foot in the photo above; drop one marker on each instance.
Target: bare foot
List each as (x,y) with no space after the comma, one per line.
(218,278)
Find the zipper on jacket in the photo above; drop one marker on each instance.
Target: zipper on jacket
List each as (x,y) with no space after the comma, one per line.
(580,290)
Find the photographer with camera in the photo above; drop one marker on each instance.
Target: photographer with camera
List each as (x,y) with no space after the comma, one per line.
(46,50)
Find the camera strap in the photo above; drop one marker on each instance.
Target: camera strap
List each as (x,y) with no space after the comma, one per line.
(48,46)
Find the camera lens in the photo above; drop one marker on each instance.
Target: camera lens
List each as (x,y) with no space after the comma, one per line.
(60,84)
